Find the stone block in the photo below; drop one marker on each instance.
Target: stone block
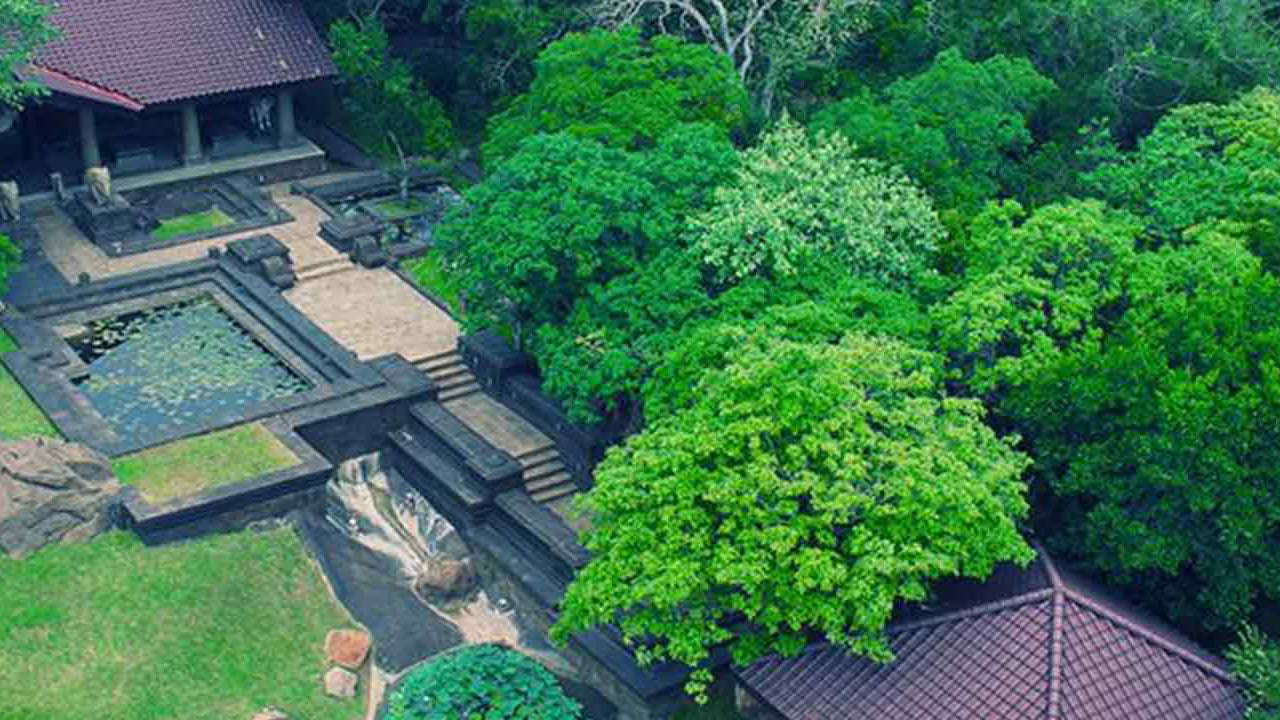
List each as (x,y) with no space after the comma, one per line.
(340,683)
(368,252)
(348,648)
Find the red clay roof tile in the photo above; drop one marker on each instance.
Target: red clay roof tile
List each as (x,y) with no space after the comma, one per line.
(159,51)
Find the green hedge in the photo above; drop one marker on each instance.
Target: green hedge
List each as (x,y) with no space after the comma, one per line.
(481,682)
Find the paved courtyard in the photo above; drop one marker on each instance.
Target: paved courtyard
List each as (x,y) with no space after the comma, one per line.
(374,312)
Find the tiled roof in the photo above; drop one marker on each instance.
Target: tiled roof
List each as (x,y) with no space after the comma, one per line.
(158,51)
(1034,644)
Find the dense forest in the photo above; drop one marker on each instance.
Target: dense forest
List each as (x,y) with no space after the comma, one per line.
(880,290)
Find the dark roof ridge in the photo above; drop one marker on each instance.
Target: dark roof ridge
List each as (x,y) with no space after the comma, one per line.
(1149,635)
(983,609)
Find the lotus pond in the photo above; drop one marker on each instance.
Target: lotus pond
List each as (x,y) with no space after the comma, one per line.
(164,367)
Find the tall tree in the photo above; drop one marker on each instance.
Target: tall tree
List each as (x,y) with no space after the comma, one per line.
(768,41)
(798,201)
(808,487)
(24,28)
(956,128)
(565,214)
(621,90)
(1204,163)
(1158,438)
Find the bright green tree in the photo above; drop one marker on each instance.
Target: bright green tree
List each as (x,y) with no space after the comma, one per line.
(1203,163)
(799,201)
(955,128)
(808,487)
(566,214)
(24,25)
(620,90)
(1256,660)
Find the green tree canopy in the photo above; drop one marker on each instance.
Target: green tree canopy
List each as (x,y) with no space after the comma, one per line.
(621,90)
(1159,437)
(1256,660)
(954,127)
(1203,163)
(808,487)
(383,92)
(1034,290)
(1124,61)
(24,28)
(799,202)
(480,682)
(565,214)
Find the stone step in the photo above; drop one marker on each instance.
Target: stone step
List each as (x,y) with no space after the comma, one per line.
(537,472)
(555,492)
(448,372)
(316,272)
(538,456)
(456,380)
(440,360)
(536,485)
(458,391)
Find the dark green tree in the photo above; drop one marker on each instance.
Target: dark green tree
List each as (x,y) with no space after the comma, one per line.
(566,214)
(956,128)
(24,27)
(621,90)
(1256,660)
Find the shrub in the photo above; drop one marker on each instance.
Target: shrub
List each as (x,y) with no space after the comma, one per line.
(482,682)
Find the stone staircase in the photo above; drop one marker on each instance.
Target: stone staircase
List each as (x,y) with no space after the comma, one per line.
(545,477)
(324,268)
(450,374)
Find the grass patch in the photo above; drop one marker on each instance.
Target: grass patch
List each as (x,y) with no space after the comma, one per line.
(395,210)
(19,415)
(188,466)
(191,224)
(206,630)
(431,274)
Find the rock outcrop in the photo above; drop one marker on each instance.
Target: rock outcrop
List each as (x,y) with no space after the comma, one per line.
(53,491)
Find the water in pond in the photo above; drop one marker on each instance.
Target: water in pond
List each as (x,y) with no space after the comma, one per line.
(161,368)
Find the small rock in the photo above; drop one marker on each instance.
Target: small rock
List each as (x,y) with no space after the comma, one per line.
(347,648)
(269,714)
(340,683)
(447,579)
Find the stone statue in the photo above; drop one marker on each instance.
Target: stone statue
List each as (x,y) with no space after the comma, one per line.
(260,113)
(10,208)
(98,180)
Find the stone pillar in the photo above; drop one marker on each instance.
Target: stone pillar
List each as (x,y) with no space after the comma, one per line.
(286,130)
(192,151)
(89,140)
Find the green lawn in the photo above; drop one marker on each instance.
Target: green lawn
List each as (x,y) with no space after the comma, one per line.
(429,272)
(396,210)
(188,466)
(19,416)
(191,223)
(214,629)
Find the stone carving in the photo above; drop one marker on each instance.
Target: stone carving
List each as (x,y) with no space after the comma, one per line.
(59,189)
(10,208)
(98,180)
(52,491)
(260,113)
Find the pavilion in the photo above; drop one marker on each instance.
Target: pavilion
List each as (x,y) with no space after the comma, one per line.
(1039,643)
(150,85)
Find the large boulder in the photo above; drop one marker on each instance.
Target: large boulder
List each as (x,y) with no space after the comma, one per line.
(53,491)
